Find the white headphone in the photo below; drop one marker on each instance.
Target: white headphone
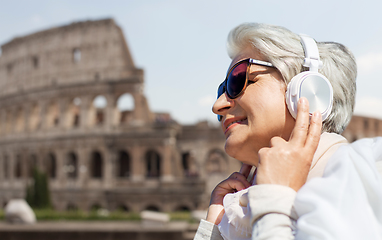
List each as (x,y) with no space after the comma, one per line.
(310,84)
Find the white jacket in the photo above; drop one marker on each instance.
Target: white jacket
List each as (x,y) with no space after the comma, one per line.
(345,203)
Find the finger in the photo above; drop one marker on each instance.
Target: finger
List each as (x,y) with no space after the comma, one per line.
(237,185)
(300,130)
(314,132)
(245,169)
(240,178)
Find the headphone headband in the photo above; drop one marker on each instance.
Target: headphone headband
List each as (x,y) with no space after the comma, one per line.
(312,56)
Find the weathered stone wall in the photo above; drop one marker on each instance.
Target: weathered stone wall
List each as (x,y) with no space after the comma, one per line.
(363,127)
(97,156)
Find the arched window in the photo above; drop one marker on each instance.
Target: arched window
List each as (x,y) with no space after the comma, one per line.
(34,117)
(76,55)
(96,165)
(51,165)
(99,105)
(152,208)
(125,105)
(75,111)
(182,208)
(123,164)
(52,115)
(35,62)
(152,164)
(71,167)
(186,162)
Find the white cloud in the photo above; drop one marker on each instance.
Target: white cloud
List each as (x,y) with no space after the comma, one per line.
(369,107)
(370,62)
(206,101)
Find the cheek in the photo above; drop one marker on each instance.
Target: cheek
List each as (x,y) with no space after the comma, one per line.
(268,113)
(267,102)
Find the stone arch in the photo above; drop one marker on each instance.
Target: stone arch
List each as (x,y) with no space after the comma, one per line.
(98,110)
(34,117)
(125,106)
(153,164)
(71,166)
(152,207)
(189,164)
(51,165)
(96,164)
(123,208)
(52,117)
(77,55)
(124,164)
(74,112)
(216,162)
(182,208)
(19,120)
(18,172)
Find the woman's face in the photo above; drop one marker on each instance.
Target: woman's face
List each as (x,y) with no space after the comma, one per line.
(260,113)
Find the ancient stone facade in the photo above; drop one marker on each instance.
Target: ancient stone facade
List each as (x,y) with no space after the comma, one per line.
(60,96)
(363,127)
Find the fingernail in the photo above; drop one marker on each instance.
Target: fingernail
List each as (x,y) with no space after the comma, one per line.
(316,114)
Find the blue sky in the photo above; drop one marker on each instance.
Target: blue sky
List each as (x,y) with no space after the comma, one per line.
(181,44)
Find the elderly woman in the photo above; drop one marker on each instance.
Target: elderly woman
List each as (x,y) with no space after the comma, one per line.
(289,153)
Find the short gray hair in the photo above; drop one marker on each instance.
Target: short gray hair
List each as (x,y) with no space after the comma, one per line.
(283,49)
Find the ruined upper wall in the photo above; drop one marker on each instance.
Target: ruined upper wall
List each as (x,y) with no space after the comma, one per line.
(79,53)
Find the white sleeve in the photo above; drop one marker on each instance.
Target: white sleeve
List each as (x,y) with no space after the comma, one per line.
(272,213)
(346,202)
(207,231)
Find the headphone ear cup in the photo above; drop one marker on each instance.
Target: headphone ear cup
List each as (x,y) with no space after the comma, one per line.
(313,86)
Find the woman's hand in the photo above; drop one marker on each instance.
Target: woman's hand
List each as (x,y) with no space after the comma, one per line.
(288,162)
(236,182)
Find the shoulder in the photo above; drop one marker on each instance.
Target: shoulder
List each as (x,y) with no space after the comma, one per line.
(349,192)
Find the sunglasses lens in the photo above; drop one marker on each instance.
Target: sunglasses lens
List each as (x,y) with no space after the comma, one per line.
(221,89)
(236,80)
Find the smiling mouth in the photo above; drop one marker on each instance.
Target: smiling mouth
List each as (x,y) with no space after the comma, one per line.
(234,122)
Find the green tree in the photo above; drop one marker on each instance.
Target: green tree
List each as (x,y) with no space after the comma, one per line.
(37,194)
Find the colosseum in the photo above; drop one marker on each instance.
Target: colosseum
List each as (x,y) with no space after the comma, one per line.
(61,95)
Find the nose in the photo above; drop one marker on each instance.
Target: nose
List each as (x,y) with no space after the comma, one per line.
(222,105)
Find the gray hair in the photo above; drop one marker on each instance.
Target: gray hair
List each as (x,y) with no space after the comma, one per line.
(283,49)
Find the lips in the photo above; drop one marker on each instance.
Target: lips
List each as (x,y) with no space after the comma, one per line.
(229,123)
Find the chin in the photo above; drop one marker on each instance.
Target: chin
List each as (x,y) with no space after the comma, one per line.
(236,151)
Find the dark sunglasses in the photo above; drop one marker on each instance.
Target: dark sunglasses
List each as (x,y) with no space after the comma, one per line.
(237,78)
